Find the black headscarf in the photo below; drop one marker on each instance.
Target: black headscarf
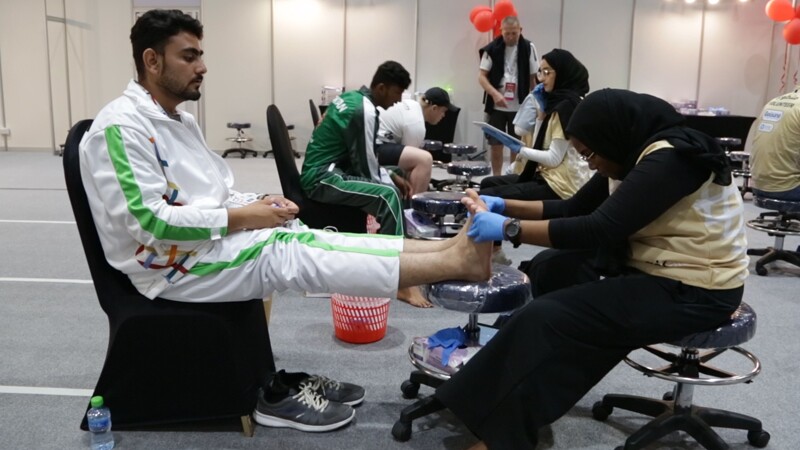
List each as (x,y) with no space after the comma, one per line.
(618,125)
(572,83)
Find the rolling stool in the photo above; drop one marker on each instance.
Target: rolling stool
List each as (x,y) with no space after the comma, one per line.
(507,290)
(676,411)
(467,169)
(239,140)
(429,214)
(431,145)
(739,160)
(782,221)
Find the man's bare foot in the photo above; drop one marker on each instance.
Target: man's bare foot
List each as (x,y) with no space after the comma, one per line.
(474,259)
(413,296)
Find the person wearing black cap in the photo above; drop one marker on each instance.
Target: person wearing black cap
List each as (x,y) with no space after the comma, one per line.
(402,132)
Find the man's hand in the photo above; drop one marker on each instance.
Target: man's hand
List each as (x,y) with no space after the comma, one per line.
(260,214)
(499,100)
(281,202)
(406,190)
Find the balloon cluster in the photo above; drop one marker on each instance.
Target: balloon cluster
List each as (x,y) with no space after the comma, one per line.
(781,11)
(485,19)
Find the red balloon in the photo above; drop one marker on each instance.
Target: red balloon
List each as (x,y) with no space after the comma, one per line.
(483,21)
(791,32)
(503,9)
(498,30)
(780,10)
(476,10)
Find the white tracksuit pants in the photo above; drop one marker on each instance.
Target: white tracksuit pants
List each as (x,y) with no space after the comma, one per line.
(253,264)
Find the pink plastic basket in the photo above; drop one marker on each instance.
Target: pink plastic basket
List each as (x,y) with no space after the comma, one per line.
(359,320)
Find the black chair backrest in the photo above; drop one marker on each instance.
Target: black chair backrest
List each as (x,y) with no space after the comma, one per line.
(109,283)
(444,131)
(314,112)
(284,156)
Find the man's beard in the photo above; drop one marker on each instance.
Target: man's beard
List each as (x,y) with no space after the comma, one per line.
(174,87)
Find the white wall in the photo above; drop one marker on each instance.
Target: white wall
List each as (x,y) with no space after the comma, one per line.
(283,51)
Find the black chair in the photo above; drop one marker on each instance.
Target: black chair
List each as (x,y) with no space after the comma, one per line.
(169,365)
(312,213)
(314,113)
(444,131)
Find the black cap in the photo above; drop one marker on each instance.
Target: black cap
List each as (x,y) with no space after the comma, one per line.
(439,97)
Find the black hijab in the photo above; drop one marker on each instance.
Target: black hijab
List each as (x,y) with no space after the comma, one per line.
(572,83)
(618,125)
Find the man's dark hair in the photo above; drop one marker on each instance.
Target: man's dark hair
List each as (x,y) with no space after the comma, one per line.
(391,73)
(154,29)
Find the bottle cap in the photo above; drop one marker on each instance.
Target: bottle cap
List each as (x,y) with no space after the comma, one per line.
(97,401)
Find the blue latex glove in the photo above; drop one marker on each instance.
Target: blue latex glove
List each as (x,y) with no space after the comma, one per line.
(495,204)
(449,339)
(539,94)
(487,226)
(512,145)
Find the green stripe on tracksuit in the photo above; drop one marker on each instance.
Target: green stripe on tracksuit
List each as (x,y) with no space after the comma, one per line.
(380,200)
(307,238)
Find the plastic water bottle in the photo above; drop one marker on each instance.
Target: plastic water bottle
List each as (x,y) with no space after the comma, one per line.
(99,419)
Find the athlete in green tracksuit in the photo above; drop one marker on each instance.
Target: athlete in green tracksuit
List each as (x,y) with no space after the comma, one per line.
(340,165)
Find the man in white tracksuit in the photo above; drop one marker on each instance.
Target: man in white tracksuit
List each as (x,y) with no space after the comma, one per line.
(167,215)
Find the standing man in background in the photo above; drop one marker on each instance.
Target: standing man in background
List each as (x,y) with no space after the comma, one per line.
(507,74)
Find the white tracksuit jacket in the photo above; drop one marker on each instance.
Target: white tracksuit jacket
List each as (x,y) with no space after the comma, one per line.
(159,198)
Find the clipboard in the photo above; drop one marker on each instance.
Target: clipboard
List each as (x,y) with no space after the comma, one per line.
(484,126)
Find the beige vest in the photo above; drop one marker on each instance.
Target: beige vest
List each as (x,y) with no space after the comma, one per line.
(775,155)
(699,241)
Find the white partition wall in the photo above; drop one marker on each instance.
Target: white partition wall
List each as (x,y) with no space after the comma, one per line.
(665,58)
(308,53)
(376,31)
(283,52)
(237,87)
(587,22)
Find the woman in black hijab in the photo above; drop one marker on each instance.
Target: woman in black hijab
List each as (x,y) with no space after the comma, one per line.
(552,168)
(682,270)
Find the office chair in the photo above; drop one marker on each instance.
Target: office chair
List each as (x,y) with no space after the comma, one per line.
(782,220)
(169,364)
(314,113)
(687,369)
(312,213)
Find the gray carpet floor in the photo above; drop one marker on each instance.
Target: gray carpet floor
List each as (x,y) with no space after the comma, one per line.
(53,335)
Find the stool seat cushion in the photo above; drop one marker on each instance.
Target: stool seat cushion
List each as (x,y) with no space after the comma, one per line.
(440,203)
(728,141)
(735,331)
(471,168)
(776,205)
(506,290)
(238,125)
(459,149)
(431,145)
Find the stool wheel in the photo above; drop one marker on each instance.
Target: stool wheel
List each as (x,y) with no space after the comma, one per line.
(758,438)
(401,431)
(601,412)
(409,389)
(668,396)
(761,270)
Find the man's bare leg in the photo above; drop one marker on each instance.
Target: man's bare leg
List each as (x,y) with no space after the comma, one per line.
(462,260)
(417,164)
(497,159)
(479,446)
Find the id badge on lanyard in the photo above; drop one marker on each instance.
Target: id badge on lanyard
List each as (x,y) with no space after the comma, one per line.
(510,91)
